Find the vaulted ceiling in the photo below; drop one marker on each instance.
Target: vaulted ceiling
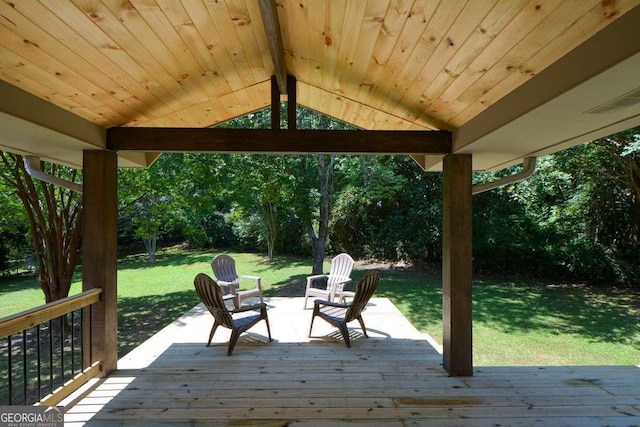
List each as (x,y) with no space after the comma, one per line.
(510,78)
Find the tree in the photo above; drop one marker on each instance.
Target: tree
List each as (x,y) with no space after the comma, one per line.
(55,215)
(271,187)
(266,192)
(578,216)
(258,188)
(325,187)
(150,212)
(254,188)
(326,168)
(604,201)
(147,201)
(624,147)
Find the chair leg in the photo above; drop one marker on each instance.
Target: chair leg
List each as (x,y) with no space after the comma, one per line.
(266,319)
(213,331)
(306,292)
(316,308)
(232,341)
(345,334)
(332,292)
(364,330)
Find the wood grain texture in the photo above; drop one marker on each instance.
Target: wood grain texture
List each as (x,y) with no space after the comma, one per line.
(394,378)
(269,13)
(100,252)
(378,64)
(457,263)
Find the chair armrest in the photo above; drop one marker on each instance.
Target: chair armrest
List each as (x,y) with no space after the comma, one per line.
(257,279)
(316,276)
(230,287)
(330,303)
(249,307)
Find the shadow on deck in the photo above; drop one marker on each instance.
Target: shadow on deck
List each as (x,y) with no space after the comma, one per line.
(394,378)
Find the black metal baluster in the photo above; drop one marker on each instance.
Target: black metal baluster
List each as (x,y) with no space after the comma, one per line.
(82,332)
(10,369)
(51,356)
(61,319)
(39,363)
(73,347)
(91,336)
(24,367)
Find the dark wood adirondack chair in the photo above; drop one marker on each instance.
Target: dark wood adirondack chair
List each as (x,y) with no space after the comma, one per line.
(238,320)
(339,314)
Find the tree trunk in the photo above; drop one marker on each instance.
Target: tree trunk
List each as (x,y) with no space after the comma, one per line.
(269,214)
(150,244)
(326,165)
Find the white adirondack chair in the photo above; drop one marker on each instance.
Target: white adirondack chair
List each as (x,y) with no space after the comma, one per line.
(338,277)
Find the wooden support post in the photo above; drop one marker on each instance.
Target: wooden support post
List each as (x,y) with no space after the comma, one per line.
(292,103)
(99,251)
(275,104)
(457,265)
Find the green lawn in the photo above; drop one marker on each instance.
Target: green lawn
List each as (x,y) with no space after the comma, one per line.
(515,322)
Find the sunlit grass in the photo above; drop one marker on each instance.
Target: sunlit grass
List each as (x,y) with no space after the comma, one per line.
(515,322)
(173,271)
(524,323)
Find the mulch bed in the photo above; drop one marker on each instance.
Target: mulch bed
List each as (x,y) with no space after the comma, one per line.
(293,289)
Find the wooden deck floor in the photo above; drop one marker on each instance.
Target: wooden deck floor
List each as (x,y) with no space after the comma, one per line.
(394,378)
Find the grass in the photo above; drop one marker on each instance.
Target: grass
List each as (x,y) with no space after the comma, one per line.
(515,322)
(528,323)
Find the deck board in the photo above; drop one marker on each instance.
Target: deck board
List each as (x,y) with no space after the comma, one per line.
(394,378)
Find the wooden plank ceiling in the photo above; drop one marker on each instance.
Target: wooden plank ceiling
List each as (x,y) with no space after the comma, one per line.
(378,64)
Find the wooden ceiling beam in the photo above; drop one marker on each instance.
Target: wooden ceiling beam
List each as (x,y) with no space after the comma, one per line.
(269,12)
(275,141)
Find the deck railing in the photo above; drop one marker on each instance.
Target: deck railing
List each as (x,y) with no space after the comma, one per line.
(45,352)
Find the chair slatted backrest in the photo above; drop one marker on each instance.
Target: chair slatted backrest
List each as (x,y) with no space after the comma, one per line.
(210,294)
(224,268)
(341,266)
(364,291)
